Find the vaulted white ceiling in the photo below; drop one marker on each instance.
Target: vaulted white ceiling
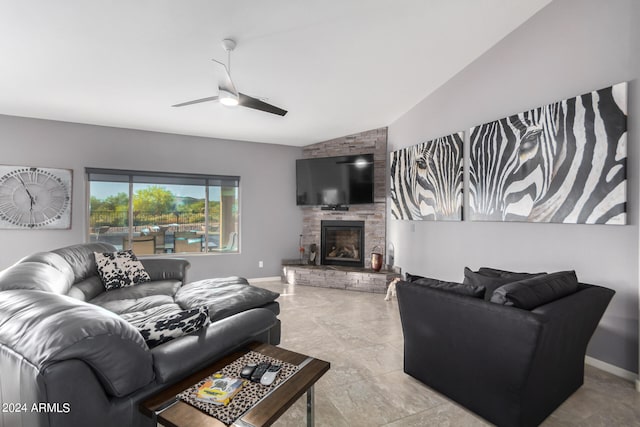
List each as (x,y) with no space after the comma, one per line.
(337,66)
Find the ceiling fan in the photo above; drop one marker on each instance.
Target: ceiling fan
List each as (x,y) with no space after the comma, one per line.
(227,93)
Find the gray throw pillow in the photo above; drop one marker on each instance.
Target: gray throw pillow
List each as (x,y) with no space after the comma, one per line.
(492,278)
(456,288)
(536,291)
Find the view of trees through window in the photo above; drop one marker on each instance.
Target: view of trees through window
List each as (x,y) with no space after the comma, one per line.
(164,214)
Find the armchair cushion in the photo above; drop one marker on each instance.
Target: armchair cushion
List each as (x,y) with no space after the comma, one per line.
(120,269)
(536,291)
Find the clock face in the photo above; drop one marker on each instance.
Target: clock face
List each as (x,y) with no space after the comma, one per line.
(35,197)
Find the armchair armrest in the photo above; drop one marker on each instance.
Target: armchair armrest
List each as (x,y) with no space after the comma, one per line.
(166,268)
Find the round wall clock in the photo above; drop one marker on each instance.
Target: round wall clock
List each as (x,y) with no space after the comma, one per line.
(33,197)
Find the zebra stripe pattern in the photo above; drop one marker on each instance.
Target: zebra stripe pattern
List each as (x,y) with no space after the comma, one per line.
(565,162)
(426,180)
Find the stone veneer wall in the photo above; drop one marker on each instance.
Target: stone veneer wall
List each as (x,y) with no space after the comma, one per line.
(374,214)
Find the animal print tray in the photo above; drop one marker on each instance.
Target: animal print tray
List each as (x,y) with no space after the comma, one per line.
(250,394)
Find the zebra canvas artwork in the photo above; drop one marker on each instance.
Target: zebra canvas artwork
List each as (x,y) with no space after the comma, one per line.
(426,180)
(564,162)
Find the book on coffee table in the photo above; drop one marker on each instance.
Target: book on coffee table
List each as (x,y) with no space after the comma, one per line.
(219,389)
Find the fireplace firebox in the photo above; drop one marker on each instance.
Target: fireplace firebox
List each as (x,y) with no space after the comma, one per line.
(342,243)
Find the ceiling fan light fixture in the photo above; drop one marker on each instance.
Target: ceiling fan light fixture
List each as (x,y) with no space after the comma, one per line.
(227,98)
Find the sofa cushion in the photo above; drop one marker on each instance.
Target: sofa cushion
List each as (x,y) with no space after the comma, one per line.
(122,306)
(535,291)
(164,323)
(492,278)
(120,269)
(87,289)
(177,358)
(224,296)
(456,288)
(142,290)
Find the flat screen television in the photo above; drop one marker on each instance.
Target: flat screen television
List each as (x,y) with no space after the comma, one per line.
(335,181)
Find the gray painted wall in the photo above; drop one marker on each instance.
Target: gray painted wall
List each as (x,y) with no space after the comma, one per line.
(568,48)
(270,220)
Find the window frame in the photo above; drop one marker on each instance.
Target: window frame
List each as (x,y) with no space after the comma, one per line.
(164,178)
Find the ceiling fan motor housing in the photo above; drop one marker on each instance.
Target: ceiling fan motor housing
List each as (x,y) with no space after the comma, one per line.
(228,44)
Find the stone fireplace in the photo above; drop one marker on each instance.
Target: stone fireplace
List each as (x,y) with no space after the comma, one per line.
(342,243)
(349,273)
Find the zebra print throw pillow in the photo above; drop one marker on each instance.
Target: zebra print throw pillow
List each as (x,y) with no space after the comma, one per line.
(156,331)
(120,269)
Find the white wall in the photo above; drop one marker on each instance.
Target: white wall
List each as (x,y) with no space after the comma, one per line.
(270,220)
(570,47)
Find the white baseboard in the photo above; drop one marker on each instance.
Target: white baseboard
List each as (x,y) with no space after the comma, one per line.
(618,372)
(264,279)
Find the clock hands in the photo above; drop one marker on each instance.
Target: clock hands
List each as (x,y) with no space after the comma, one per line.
(32,200)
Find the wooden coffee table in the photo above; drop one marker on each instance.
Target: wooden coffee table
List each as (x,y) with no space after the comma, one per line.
(264,413)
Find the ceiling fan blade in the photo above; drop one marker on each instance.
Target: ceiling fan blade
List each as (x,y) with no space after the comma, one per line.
(196,101)
(256,104)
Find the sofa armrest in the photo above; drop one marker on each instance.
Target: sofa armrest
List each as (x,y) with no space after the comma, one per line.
(46,328)
(186,354)
(166,268)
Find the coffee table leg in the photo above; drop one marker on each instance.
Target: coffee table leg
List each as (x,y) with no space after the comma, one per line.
(310,407)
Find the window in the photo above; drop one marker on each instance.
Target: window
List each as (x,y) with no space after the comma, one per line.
(158,212)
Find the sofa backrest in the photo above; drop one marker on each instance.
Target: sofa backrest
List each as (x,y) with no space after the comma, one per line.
(81,259)
(56,271)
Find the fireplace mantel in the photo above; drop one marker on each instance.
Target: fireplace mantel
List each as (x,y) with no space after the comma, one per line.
(336,277)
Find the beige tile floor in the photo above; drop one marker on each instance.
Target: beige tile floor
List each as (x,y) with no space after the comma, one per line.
(360,334)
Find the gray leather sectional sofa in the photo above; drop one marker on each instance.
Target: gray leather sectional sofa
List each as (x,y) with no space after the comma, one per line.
(68,358)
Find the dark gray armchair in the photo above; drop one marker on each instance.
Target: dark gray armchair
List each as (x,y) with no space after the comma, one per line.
(511,366)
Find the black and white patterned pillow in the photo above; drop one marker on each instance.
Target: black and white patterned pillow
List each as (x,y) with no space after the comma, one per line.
(166,328)
(120,269)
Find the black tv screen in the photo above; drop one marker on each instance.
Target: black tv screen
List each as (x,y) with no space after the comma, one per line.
(332,181)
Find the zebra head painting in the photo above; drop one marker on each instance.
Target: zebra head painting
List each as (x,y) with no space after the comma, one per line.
(564,162)
(426,180)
